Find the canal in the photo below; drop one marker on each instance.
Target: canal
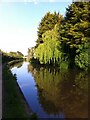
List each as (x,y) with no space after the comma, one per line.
(53,93)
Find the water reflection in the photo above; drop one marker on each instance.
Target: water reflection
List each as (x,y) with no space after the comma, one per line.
(52,93)
(17,64)
(62,91)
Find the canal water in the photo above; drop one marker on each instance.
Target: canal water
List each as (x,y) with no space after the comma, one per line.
(53,93)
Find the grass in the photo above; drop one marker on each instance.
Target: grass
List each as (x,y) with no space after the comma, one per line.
(14,105)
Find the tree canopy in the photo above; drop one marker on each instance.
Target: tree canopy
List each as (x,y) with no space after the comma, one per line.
(65,41)
(48,51)
(47,23)
(74,31)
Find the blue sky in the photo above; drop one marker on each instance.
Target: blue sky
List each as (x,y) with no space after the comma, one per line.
(19,22)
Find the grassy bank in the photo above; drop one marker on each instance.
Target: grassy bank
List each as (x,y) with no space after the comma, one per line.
(14,105)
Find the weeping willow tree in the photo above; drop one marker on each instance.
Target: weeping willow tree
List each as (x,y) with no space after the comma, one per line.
(48,51)
(64,41)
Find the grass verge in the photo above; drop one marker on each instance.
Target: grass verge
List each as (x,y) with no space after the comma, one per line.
(14,106)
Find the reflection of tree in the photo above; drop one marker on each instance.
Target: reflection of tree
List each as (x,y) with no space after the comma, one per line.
(58,90)
(32,69)
(17,64)
(82,81)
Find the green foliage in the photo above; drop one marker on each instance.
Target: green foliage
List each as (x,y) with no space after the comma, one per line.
(15,54)
(19,53)
(6,57)
(81,58)
(64,65)
(74,32)
(31,52)
(48,51)
(47,23)
(76,24)
(60,41)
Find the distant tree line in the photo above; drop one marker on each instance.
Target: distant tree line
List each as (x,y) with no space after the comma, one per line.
(64,41)
(6,57)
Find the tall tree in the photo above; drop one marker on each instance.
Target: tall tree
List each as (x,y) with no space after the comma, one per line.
(48,52)
(47,23)
(76,28)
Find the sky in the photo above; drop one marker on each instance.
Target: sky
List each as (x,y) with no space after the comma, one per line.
(19,21)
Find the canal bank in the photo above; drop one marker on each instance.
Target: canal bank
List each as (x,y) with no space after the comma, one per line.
(0,91)
(14,103)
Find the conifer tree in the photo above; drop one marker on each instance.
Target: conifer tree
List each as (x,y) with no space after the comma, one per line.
(75,28)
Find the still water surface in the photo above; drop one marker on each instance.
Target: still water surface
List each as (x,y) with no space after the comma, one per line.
(52,93)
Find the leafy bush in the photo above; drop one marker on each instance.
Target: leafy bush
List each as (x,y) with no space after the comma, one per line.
(81,59)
